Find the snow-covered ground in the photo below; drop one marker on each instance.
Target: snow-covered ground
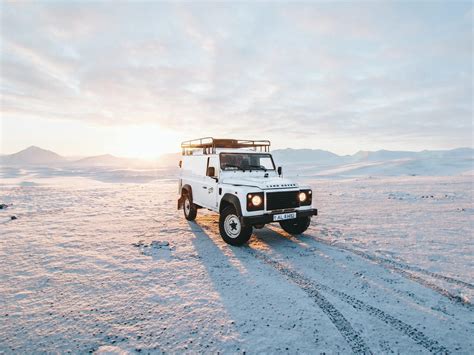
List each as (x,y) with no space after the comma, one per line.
(387,266)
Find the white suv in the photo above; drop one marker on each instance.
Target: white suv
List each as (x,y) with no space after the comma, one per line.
(238,180)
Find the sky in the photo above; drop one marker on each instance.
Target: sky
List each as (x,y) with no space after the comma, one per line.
(137,78)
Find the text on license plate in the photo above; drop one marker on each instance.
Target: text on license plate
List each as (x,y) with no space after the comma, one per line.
(284,216)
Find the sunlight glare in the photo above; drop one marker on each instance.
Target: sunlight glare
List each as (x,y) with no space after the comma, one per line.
(145,141)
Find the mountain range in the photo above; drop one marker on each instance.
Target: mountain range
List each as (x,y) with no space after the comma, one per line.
(307,162)
(32,156)
(301,162)
(35,156)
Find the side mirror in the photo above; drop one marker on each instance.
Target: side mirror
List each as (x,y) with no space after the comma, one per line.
(180,164)
(279,170)
(211,171)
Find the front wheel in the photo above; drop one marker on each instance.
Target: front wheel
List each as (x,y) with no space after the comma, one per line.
(231,228)
(296,226)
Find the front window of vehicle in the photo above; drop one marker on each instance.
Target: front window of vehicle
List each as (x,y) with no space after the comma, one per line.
(246,161)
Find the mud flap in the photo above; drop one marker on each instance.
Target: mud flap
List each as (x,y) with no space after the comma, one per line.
(180,202)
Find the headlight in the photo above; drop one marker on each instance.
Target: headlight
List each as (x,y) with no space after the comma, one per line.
(302,197)
(305,197)
(256,200)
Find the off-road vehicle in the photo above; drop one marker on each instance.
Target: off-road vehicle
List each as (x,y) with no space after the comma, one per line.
(238,180)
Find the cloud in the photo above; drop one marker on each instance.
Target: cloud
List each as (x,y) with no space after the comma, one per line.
(350,73)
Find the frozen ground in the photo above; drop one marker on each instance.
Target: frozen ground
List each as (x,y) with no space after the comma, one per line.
(89,266)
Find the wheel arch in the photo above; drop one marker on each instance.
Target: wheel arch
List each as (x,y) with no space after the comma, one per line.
(185,190)
(230,200)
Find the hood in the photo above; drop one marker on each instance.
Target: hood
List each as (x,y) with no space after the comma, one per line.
(262,183)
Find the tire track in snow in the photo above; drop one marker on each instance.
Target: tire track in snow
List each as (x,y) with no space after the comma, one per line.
(394,263)
(403,270)
(352,336)
(405,273)
(313,288)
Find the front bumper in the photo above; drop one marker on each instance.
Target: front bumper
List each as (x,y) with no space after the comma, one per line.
(268,217)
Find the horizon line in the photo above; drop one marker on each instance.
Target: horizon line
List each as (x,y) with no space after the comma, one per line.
(278,149)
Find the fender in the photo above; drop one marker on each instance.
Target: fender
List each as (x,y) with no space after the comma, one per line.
(186,188)
(233,200)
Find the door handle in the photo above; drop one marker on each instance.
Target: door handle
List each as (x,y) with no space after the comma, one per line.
(204,187)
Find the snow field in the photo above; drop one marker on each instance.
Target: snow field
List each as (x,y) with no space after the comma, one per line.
(89,266)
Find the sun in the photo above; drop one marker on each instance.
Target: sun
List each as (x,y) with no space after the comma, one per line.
(145,141)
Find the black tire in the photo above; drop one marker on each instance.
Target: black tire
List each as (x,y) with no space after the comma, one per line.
(231,228)
(189,208)
(296,226)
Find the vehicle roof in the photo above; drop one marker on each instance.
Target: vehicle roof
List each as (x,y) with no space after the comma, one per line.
(229,150)
(209,145)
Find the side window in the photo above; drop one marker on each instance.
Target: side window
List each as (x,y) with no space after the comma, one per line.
(212,162)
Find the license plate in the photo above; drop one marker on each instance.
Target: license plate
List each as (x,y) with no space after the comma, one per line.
(284,216)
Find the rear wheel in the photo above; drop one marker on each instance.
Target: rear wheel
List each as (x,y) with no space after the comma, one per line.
(296,226)
(189,208)
(231,228)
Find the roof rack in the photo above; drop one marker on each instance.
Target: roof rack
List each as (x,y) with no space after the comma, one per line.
(210,144)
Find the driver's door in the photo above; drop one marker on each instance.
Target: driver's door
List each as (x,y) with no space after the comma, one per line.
(210,184)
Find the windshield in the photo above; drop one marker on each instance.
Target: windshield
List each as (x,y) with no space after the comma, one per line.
(246,161)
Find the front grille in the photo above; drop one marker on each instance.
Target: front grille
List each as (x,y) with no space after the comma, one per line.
(281,200)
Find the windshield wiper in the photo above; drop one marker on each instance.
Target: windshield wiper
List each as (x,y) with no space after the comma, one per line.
(259,167)
(233,166)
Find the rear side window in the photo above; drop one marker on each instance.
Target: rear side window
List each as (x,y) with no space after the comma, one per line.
(195,165)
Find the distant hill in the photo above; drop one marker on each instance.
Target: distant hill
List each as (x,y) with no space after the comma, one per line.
(32,156)
(104,160)
(35,156)
(169,160)
(382,155)
(306,156)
